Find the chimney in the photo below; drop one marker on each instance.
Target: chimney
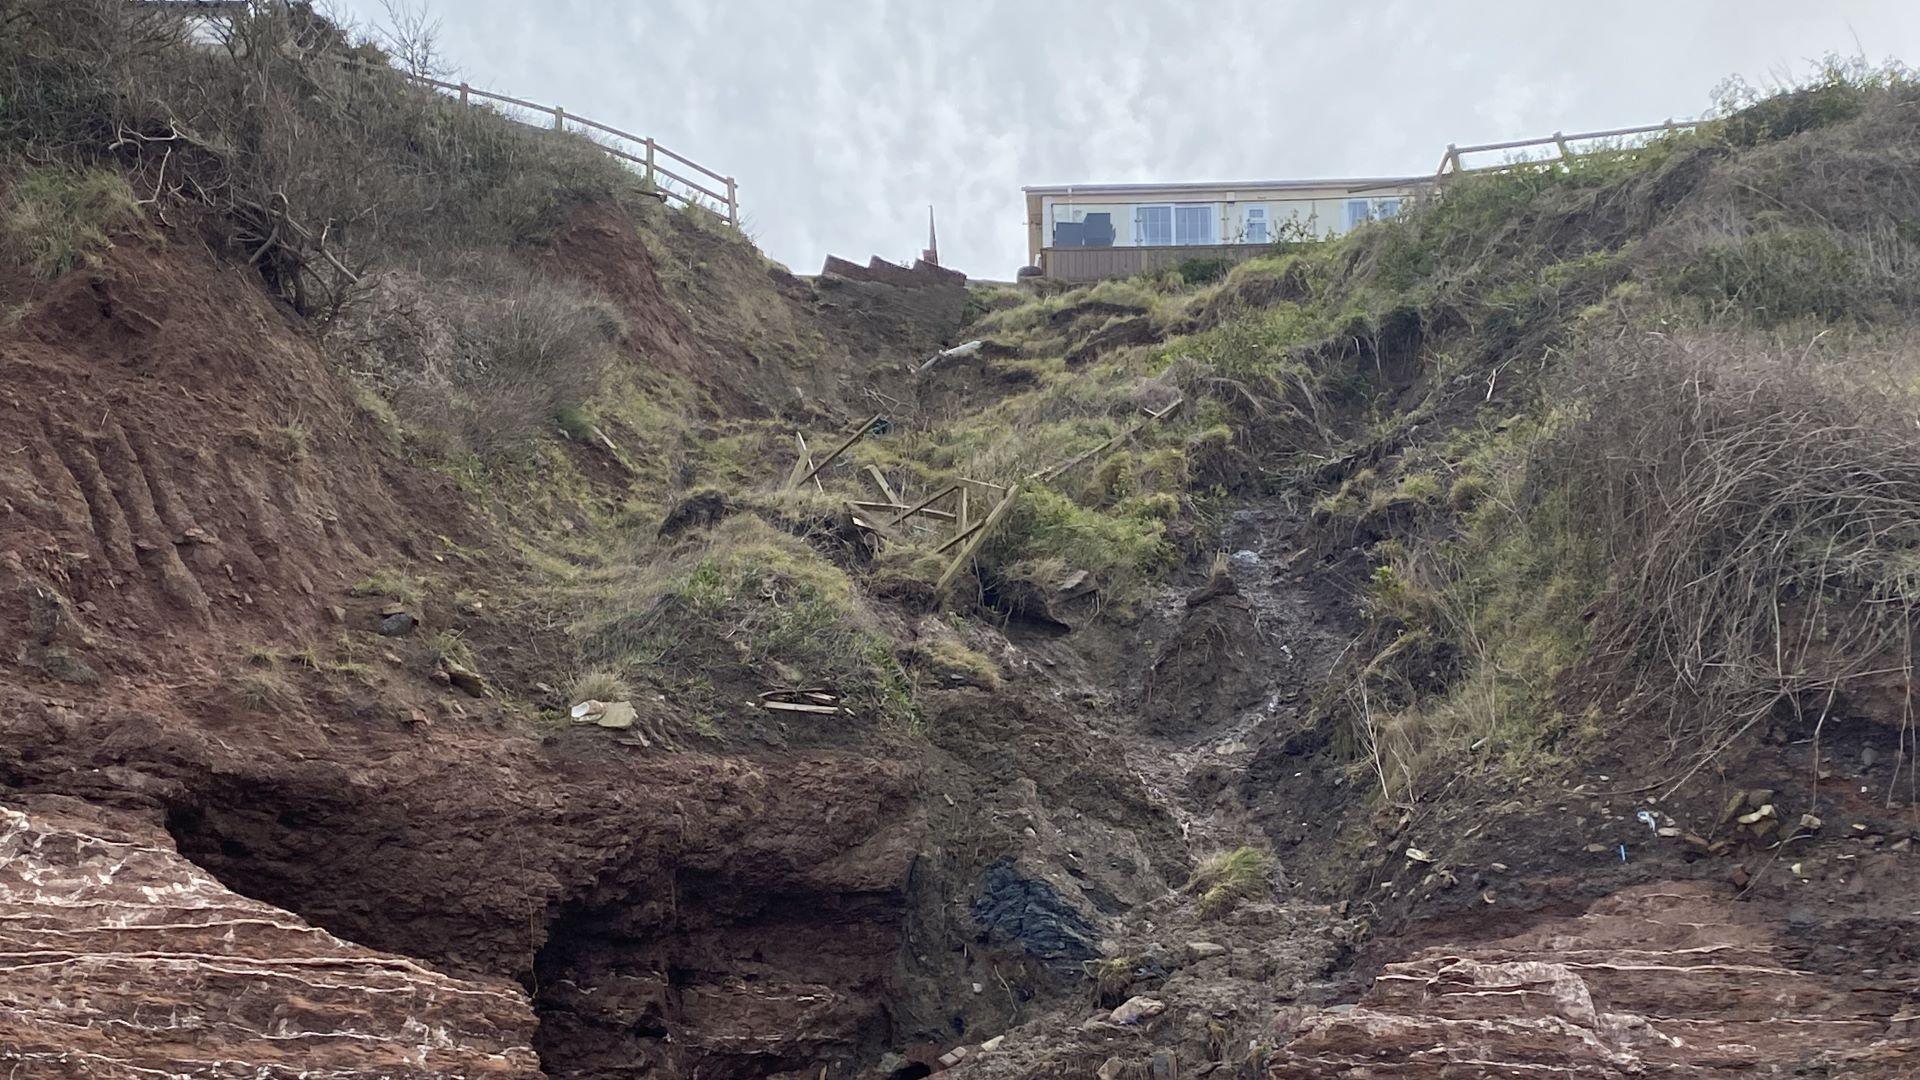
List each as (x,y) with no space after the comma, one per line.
(931,256)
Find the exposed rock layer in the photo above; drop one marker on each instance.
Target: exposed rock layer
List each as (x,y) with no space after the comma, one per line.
(123,959)
(1666,980)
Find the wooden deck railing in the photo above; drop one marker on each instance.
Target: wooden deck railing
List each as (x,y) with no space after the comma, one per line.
(1451,165)
(721,198)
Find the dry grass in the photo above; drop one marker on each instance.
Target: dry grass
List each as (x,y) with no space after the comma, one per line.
(397,585)
(263,691)
(1757,502)
(485,358)
(1229,877)
(598,684)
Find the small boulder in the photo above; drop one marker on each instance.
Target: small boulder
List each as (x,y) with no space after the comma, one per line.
(618,714)
(1137,1010)
(398,624)
(464,679)
(1204,950)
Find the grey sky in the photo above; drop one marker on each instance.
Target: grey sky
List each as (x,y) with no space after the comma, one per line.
(843,119)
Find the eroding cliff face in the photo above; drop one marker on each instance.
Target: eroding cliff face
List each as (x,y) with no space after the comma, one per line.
(1674,980)
(122,959)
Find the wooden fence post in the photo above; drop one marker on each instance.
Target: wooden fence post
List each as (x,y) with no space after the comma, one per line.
(982,531)
(733,204)
(650,161)
(464,88)
(559,118)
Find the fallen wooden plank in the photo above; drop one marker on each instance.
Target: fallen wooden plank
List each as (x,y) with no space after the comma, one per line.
(795,706)
(988,484)
(903,509)
(957,537)
(967,349)
(872,525)
(764,694)
(1050,473)
(801,465)
(980,535)
(924,503)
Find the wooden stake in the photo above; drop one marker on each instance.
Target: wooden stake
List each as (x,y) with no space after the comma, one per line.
(880,481)
(801,465)
(981,532)
(858,434)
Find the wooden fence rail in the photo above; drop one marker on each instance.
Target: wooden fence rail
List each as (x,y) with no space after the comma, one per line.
(1451,165)
(643,151)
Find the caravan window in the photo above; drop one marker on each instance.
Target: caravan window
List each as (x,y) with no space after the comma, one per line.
(1175,223)
(1256,231)
(1363,210)
(1193,224)
(1154,224)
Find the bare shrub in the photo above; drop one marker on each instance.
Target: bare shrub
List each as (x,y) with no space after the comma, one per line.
(1759,504)
(486,360)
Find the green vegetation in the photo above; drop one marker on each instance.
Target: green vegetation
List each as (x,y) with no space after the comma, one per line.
(950,660)
(393,584)
(450,645)
(1227,878)
(1463,389)
(56,218)
(397,219)
(752,608)
(1689,510)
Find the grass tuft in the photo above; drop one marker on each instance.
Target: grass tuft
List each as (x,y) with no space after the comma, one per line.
(56,218)
(1229,877)
(598,684)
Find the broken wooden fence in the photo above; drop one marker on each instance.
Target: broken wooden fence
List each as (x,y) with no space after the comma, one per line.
(962,514)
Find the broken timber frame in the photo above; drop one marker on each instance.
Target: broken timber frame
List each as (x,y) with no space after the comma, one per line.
(970,531)
(797,478)
(978,536)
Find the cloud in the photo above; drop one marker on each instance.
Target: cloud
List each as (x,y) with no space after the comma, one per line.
(843,119)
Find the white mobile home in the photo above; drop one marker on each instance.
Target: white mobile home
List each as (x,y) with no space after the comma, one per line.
(1080,232)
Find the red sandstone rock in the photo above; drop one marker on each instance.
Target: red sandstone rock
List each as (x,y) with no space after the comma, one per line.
(1664,980)
(123,959)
